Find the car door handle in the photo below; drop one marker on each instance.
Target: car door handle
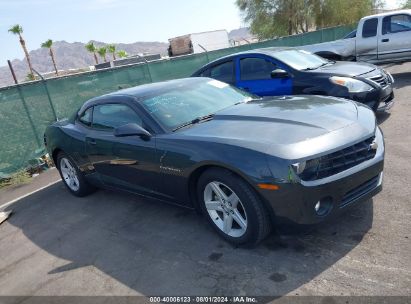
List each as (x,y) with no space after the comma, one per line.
(385,40)
(246,89)
(91,141)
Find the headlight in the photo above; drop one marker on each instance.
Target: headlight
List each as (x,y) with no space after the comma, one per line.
(299,167)
(306,169)
(389,76)
(353,85)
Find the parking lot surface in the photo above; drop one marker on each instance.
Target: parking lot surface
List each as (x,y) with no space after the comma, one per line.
(112,243)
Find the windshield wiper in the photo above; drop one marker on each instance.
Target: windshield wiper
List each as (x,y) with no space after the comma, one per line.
(194,121)
(321,65)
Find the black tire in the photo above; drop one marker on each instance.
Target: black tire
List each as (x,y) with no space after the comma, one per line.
(84,188)
(257,217)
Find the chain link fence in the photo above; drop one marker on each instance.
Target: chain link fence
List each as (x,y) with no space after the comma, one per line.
(27,109)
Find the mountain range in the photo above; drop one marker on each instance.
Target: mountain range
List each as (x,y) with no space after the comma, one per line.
(71,56)
(75,56)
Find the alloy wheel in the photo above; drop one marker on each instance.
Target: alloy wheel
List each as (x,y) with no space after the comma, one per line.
(69,174)
(225,209)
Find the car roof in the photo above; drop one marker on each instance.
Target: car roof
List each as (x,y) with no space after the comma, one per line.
(394,12)
(270,51)
(146,89)
(265,51)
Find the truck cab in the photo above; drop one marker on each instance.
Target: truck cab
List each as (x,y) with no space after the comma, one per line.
(384,37)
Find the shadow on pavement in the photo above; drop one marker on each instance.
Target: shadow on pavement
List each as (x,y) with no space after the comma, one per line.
(159,249)
(402,80)
(382,117)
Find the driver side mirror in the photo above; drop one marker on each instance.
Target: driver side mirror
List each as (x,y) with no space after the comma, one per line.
(279,73)
(131,129)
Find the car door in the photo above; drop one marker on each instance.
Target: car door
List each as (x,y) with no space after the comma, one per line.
(128,163)
(395,39)
(367,40)
(254,75)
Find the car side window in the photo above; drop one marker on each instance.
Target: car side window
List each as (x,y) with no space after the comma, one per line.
(110,116)
(86,116)
(369,28)
(256,68)
(396,23)
(205,73)
(223,72)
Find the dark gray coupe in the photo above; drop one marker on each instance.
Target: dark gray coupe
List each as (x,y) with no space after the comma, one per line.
(244,162)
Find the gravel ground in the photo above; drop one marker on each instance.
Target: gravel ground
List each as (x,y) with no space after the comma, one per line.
(115,244)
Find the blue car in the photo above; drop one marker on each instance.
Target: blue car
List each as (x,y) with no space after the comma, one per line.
(290,71)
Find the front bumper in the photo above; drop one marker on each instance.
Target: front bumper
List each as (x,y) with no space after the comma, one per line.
(295,202)
(386,104)
(381,99)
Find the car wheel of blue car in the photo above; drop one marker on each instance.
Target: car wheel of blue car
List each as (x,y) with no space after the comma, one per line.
(72,177)
(232,207)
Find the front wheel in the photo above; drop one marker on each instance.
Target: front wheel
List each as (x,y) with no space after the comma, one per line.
(72,177)
(232,207)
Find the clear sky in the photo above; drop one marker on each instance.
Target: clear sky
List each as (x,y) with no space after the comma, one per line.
(112,20)
(109,21)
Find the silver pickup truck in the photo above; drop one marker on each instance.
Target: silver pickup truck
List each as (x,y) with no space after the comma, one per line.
(378,39)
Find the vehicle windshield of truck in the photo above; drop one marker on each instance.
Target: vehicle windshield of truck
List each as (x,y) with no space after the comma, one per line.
(301,60)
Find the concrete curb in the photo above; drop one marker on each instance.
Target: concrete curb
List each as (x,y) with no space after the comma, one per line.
(4,215)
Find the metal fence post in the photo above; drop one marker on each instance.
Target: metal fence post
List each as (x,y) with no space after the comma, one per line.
(48,93)
(205,50)
(149,72)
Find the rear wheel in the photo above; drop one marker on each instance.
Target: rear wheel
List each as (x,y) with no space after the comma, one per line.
(232,207)
(72,177)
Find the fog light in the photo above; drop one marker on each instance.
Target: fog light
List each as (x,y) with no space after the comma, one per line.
(317,206)
(323,206)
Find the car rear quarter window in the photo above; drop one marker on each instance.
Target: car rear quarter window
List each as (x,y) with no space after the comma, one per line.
(223,72)
(205,73)
(110,116)
(369,28)
(86,116)
(396,23)
(256,68)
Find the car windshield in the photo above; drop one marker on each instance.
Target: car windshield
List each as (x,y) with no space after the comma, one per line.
(300,59)
(351,34)
(191,101)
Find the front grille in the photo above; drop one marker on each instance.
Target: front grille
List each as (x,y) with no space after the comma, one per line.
(359,191)
(339,161)
(381,79)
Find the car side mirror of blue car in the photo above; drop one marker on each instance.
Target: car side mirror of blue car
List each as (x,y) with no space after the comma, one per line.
(279,73)
(131,129)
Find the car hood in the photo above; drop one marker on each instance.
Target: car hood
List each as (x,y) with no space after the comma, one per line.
(276,124)
(346,68)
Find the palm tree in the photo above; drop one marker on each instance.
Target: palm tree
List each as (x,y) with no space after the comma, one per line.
(92,49)
(30,77)
(47,44)
(102,51)
(18,30)
(111,48)
(122,54)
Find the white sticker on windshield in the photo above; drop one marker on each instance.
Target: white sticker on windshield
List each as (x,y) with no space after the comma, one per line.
(218,84)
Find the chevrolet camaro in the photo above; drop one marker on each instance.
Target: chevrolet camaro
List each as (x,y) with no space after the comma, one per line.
(244,162)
